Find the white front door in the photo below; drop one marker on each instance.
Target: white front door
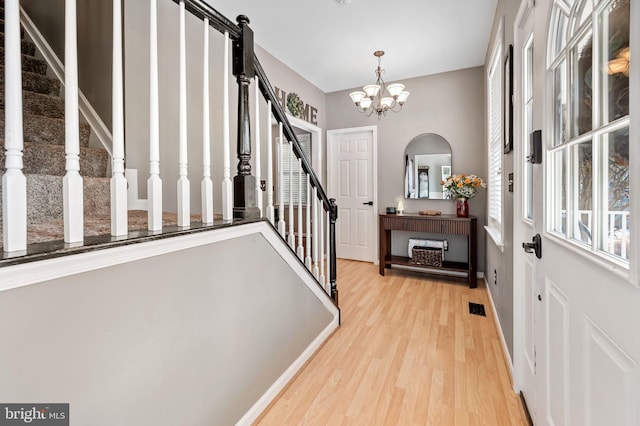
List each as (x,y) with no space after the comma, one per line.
(586,344)
(528,316)
(350,180)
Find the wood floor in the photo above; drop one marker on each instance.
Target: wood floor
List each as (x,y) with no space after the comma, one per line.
(408,353)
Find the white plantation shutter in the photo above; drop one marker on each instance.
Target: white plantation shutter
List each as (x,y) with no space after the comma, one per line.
(305,144)
(495,139)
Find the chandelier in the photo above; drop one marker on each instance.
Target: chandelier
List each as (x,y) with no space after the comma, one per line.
(370,99)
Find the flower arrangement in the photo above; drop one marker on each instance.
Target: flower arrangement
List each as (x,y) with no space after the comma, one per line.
(462,186)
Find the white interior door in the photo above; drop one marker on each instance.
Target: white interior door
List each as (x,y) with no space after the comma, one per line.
(586,342)
(525,295)
(350,179)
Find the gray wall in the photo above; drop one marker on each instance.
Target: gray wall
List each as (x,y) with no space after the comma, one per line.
(190,337)
(448,104)
(94,45)
(498,262)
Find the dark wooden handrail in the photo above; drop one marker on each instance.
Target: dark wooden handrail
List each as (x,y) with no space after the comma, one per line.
(267,91)
(202,10)
(222,24)
(245,66)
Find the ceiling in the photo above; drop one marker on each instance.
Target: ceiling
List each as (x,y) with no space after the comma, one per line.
(331,45)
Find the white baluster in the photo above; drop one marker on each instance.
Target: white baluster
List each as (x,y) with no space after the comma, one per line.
(227,186)
(282,226)
(300,247)
(184,203)
(154,182)
(316,235)
(119,226)
(206,186)
(257,168)
(270,210)
(14,182)
(321,238)
(72,182)
(307,259)
(623,235)
(292,237)
(612,226)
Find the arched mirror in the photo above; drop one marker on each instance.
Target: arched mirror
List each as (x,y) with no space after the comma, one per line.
(427,161)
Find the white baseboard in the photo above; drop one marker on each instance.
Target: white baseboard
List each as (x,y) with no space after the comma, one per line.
(503,342)
(272,393)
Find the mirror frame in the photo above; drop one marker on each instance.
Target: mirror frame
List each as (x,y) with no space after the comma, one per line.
(423,141)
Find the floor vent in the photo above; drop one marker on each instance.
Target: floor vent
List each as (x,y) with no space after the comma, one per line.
(477,309)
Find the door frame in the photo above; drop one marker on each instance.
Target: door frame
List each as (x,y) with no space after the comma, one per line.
(316,142)
(524,14)
(332,137)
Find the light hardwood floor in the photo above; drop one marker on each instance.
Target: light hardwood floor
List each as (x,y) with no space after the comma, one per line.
(408,353)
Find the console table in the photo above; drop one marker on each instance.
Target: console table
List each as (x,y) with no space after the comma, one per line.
(444,224)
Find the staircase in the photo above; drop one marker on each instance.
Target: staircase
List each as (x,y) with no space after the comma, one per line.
(44,156)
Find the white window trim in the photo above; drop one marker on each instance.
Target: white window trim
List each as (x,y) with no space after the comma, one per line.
(627,270)
(493,228)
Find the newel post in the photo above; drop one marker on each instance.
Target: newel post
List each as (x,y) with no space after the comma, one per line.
(244,185)
(333,217)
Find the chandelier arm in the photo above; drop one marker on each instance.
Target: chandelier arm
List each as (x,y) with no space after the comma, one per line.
(376,101)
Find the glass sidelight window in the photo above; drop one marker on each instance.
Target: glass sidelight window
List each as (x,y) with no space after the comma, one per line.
(527,128)
(588,57)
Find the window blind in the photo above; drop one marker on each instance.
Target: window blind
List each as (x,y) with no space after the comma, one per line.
(495,138)
(293,172)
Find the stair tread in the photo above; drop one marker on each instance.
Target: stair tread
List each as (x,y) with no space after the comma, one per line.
(29,63)
(45,199)
(35,82)
(94,225)
(44,129)
(42,157)
(39,103)
(27,47)
(2,22)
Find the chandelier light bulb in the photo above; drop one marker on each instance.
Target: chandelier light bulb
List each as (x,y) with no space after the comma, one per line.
(365,103)
(395,89)
(371,99)
(357,97)
(371,90)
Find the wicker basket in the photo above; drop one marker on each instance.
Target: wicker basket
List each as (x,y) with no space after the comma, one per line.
(426,256)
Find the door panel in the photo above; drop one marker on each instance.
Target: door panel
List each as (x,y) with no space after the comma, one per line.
(557,354)
(530,301)
(352,186)
(608,368)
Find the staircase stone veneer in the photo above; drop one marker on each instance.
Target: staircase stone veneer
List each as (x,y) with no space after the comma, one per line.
(44,155)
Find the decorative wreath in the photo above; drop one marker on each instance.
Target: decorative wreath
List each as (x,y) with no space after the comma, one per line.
(295,104)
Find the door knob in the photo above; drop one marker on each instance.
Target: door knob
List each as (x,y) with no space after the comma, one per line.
(534,246)
(368,203)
